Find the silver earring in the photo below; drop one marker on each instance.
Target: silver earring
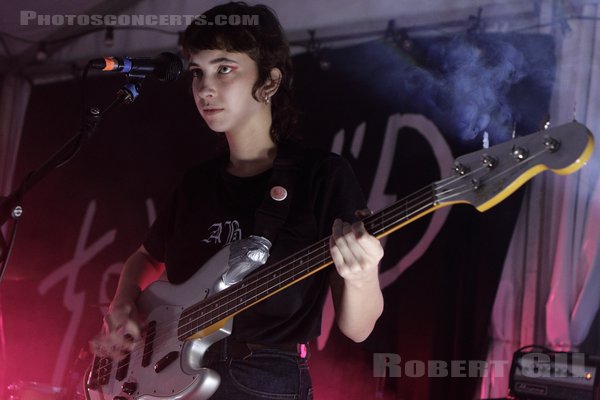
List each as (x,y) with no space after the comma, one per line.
(267,99)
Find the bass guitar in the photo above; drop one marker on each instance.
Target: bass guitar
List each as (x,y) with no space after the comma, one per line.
(183,321)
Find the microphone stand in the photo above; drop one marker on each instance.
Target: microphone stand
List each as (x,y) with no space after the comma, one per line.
(11,205)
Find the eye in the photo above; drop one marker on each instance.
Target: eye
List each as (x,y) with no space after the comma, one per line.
(196,72)
(225,69)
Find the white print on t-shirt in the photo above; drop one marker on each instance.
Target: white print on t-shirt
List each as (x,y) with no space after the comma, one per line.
(216,232)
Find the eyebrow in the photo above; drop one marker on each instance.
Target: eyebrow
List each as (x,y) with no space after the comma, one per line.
(214,61)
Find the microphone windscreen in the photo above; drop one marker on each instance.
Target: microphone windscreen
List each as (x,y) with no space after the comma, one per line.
(168,67)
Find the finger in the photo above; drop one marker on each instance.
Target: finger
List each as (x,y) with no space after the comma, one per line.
(337,240)
(114,345)
(363,237)
(369,245)
(118,345)
(339,234)
(341,240)
(101,346)
(336,256)
(365,212)
(336,230)
(123,324)
(348,248)
(112,323)
(359,230)
(336,234)
(365,249)
(123,342)
(131,329)
(343,269)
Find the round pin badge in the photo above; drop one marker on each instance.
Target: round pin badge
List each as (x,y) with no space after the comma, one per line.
(278,193)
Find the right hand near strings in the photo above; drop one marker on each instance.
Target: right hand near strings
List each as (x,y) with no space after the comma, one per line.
(120,332)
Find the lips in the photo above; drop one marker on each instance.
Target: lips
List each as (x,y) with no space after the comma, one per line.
(211,111)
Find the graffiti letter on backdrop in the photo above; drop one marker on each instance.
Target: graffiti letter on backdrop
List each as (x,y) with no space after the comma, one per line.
(72,300)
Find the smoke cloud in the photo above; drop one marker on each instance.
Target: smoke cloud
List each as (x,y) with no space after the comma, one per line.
(467,84)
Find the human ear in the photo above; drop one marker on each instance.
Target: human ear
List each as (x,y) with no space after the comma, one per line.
(272,84)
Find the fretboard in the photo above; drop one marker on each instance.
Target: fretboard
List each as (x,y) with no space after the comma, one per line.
(273,278)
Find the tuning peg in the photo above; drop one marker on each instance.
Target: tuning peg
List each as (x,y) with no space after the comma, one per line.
(551,144)
(460,169)
(519,153)
(489,161)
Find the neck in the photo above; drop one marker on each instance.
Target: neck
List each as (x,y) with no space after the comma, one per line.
(251,149)
(250,154)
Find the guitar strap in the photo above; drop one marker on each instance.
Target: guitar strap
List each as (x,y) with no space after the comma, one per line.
(250,253)
(275,207)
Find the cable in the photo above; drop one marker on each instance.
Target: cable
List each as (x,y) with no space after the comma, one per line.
(9,248)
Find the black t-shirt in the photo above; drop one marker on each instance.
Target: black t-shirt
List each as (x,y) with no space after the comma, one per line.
(212,208)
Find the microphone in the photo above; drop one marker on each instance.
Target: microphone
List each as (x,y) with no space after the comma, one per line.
(166,66)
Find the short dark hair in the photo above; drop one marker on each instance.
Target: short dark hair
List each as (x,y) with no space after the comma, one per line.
(264,42)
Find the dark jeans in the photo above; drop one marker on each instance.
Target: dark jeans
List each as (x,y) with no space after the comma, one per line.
(263,374)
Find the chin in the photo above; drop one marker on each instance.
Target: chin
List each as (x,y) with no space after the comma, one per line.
(216,127)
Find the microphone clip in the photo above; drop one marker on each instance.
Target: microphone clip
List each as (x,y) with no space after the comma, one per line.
(130,91)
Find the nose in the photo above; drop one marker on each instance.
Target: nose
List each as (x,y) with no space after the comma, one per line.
(204,88)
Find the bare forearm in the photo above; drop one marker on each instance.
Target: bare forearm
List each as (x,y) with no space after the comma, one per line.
(121,323)
(359,308)
(355,282)
(138,272)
